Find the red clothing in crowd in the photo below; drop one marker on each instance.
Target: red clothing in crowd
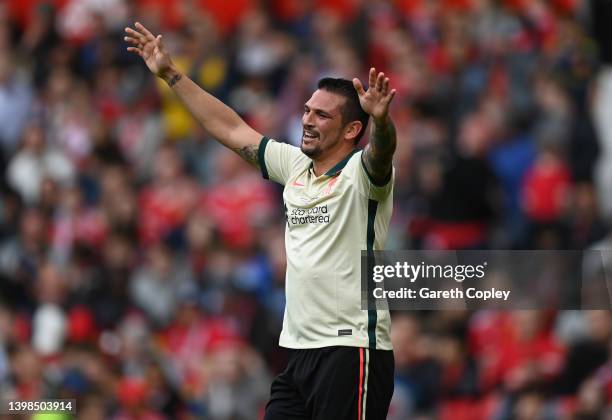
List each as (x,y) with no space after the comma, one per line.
(545,190)
(226,14)
(238,206)
(164,208)
(494,341)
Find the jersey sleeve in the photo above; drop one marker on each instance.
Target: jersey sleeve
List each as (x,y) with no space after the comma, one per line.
(364,182)
(278,160)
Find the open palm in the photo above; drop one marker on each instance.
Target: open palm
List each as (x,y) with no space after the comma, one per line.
(375,101)
(150,48)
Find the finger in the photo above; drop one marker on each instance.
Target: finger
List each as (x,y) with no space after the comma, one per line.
(389,97)
(145,31)
(135,50)
(358,86)
(136,34)
(132,40)
(385,86)
(159,44)
(379,81)
(372,78)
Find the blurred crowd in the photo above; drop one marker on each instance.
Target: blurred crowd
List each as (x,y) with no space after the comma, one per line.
(142,265)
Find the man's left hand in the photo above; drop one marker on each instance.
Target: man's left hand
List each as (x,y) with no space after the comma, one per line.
(375,101)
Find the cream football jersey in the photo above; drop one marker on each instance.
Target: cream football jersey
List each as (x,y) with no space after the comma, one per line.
(330,219)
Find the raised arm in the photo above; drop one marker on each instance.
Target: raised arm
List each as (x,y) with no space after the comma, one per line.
(219,120)
(375,101)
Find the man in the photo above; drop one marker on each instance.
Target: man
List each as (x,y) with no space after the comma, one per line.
(338,201)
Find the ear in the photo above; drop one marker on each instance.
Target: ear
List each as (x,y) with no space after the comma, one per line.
(352,130)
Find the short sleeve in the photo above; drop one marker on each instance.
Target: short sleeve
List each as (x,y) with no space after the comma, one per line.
(278,160)
(366,184)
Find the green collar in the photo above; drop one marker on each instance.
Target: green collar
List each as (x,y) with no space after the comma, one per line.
(340,165)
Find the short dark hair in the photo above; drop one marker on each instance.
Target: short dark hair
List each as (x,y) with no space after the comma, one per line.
(351,111)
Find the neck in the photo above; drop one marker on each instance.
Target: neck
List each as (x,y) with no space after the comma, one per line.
(324,163)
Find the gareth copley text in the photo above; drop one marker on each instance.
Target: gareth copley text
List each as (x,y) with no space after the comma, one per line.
(456,293)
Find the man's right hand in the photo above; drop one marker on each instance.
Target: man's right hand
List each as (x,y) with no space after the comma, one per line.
(217,119)
(152,51)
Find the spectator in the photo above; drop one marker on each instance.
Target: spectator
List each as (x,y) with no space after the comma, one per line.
(156,287)
(16,103)
(36,161)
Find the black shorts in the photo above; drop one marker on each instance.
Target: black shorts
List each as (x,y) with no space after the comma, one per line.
(335,383)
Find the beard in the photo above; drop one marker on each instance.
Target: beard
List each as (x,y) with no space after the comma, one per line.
(317,146)
(313,149)
(311,152)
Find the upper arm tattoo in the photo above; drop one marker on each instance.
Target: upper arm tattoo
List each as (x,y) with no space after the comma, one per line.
(379,152)
(249,153)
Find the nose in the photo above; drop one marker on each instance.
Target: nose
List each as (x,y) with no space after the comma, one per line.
(307,119)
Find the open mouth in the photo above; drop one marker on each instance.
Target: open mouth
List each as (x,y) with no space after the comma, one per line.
(310,135)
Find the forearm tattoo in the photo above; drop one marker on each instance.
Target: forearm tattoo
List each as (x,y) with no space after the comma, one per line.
(380,150)
(175,79)
(249,153)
